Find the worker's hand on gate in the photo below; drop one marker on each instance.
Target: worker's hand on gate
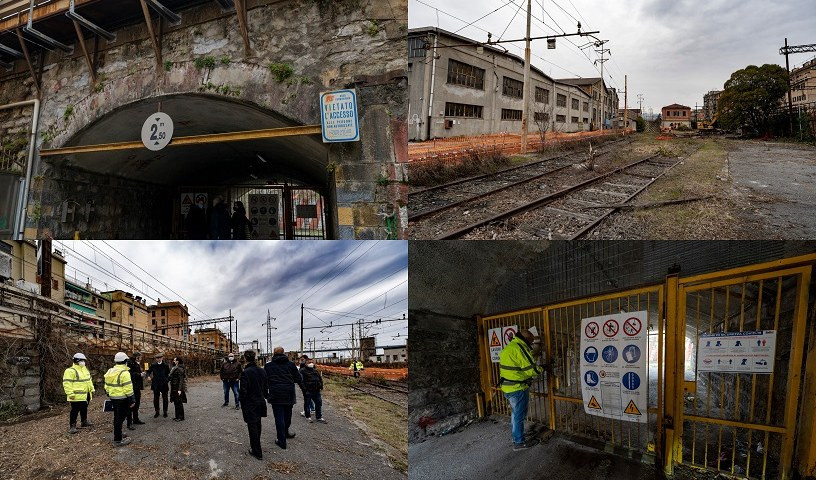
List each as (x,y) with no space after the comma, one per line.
(179,392)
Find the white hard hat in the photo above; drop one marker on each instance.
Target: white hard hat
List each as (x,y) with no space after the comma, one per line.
(120,357)
(79,356)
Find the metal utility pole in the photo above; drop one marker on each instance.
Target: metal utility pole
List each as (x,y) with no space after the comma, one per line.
(525,95)
(301,328)
(790,96)
(269,328)
(352,340)
(640,101)
(360,336)
(625,103)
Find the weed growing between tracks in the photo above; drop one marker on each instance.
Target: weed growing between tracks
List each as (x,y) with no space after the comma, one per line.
(433,172)
(387,424)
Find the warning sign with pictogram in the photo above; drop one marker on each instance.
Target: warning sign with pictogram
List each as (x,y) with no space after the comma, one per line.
(499,338)
(619,388)
(631,409)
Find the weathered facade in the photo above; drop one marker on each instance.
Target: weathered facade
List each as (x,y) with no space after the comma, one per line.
(23,259)
(128,309)
(169,318)
(675,115)
(459,87)
(711,101)
(212,73)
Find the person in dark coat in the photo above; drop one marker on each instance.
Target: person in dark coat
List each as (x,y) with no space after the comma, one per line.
(197,221)
(230,373)
(312,385)
(219,220)
(253,392)
(159,374)
(281,377)
(241,226)
(178,388)
(136,374)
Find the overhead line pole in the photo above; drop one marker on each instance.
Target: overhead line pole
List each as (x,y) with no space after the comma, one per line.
(301,328)
(790,96)
(525,95)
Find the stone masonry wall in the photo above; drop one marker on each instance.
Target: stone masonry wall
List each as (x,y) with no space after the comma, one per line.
(299,49)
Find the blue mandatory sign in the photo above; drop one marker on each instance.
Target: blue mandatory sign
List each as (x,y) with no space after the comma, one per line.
(631,353)
(591,354)
(610,354)
(631,381)
(591,378)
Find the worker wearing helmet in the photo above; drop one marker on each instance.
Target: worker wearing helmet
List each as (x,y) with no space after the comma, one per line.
(357,367)
(79,388)
(120,390)
(519,364)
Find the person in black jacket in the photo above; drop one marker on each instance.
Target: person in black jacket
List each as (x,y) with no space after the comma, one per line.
(253,390)
(178,388)
(136,374)
(312,385)
(219,220)
(281,377)
(159,374)
(241,226)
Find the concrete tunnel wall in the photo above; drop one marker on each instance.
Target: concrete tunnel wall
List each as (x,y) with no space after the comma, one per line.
(451,282)
(342,44)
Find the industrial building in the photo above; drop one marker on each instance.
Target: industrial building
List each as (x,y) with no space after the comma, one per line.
(803,84)
(711,101)
(458,86)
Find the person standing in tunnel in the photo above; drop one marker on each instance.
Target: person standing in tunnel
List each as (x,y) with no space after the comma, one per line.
(518,369)
(241,226)
(197,220)
(219,220)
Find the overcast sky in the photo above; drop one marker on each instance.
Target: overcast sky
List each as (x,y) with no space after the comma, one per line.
(673,51)
(364,280)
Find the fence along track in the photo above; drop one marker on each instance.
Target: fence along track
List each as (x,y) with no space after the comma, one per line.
(585,186)
(494,177)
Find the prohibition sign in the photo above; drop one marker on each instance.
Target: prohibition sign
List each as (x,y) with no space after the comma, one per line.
(591,330)
(632,326)
(611,328)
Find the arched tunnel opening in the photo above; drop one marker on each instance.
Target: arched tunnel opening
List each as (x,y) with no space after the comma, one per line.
(283,182)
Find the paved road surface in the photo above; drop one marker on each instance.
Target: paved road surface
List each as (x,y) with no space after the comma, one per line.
(204,441)
(781,182)
(484,450)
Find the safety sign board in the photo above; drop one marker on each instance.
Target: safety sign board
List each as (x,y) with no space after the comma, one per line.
(614,366)
(737,352)
(186,203)
(339,119)
(499,338)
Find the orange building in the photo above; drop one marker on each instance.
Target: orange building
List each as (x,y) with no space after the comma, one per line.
(128,309)
(675,115)
(171,319)
(214,338)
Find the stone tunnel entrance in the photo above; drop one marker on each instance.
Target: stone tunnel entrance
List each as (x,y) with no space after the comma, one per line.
(283,182)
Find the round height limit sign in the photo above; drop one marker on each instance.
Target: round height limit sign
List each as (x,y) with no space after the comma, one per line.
(157,131)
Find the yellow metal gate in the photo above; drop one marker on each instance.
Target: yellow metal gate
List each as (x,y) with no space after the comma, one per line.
(741,424)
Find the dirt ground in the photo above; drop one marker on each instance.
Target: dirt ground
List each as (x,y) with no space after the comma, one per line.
(740,189)
(211,443)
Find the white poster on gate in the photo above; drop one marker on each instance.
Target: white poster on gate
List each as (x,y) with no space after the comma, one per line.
(737,352)
(614,366)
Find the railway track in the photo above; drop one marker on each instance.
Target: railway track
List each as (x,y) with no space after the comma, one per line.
(390,391)
(430,201)
(570,212)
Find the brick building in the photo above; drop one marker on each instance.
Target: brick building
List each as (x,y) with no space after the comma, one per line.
(673,116)
(170,318)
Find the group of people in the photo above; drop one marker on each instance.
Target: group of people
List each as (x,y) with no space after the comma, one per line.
(124,383)
(218,224)
(275,384)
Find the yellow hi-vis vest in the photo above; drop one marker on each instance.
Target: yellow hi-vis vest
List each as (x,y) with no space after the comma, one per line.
(77,383)
(118,383)
(517,367)
(359,366)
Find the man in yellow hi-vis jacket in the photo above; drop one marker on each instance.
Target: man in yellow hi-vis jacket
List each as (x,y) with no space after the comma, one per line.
(120,390)
(518,366)
(79,388)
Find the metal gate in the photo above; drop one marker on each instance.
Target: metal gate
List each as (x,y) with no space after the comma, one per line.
(741,424)
(691,421)
(299,212)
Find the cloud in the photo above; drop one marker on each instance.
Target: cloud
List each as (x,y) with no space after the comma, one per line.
(252,277)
